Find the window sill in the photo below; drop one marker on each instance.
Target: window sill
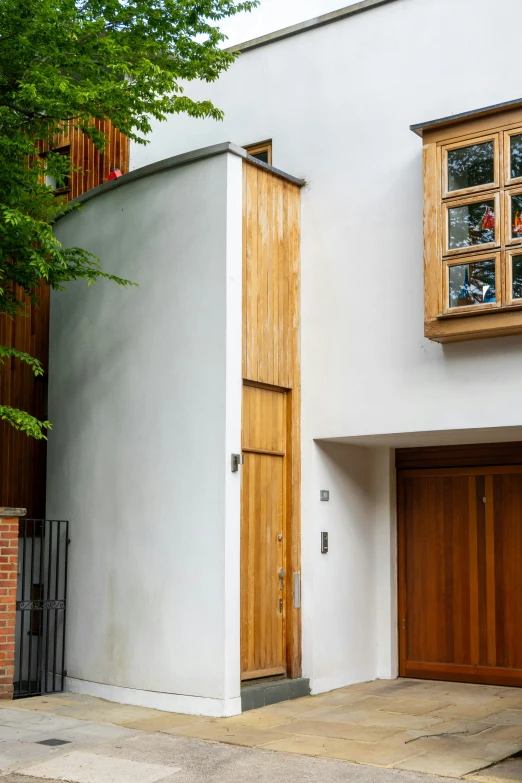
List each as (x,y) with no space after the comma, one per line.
(456,327)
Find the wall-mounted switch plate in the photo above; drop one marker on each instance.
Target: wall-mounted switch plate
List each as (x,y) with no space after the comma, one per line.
(324,543)
(236,461)
(324,494)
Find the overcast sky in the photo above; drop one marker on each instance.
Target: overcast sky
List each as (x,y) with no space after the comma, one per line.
(274,14)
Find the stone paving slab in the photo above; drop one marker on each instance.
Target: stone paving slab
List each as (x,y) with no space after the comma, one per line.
(505,772)
(430,727)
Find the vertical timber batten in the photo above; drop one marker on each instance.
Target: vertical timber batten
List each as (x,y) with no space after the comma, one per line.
(271,361)
(22,459)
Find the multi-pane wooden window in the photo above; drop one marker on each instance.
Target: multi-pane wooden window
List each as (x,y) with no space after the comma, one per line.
(473,225)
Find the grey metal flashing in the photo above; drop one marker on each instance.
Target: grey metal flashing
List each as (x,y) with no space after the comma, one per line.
(310,24)
(184,159)
(467,115)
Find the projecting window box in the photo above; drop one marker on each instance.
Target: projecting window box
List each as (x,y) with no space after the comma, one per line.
(473,224)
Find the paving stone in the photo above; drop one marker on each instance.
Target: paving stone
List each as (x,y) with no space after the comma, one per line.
(400,720)
(78,767)
(441,764)
(505,733)
(310,746)
(507,718)
(415,706)
(450,727)
(256,719)
(351,731)
(233,735)
(506,771)
(289,708)
(167,721)
(381,754)
(479,747)
(476,711)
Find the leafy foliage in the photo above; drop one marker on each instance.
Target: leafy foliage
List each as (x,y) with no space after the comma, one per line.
(74,61)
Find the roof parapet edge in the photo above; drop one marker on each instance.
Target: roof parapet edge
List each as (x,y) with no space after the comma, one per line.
(176,161)
(420,127)
(309,24)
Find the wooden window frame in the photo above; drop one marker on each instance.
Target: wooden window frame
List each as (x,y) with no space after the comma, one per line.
(510,302)
(508,179)
(260,146)
(504,317)
(463,202)
(472,259)
(63,149)
(495,138)
(509,241)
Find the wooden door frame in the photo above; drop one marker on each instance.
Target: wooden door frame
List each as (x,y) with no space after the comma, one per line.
(470,460)
(292,529)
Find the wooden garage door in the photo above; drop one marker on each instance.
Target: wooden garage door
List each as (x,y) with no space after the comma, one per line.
(460,574)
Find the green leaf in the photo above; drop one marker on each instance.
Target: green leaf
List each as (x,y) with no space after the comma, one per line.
(78,61)
(24,422)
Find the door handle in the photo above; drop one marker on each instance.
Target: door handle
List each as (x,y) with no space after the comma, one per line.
(281,577)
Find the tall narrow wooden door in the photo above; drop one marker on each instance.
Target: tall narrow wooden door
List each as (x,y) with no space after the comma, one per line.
(460,590)
(263,576)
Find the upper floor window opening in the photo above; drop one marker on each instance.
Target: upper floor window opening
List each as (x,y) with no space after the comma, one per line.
(262,151)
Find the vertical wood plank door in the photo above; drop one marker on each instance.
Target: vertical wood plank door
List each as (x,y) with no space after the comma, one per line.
(460,580)
(263,577)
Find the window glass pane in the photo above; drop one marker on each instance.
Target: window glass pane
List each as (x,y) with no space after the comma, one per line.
(516,217)
(262,156)
(517,277)
(471,225)
(471,166)
(472,284)
(516,156)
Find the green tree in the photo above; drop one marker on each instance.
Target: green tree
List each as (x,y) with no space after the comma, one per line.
(73,61)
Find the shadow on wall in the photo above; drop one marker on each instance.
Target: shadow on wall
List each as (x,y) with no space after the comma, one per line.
(494,348)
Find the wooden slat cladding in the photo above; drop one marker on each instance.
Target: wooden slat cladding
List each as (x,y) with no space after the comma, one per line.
(96,166)
(264,420)
(460,594)
(23,460)
(460,456)
(271,226)
(272,393)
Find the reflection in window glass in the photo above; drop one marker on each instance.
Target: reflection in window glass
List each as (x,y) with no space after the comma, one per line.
(469,167)
(516,156)
(473,224)
(472,284)
(516,272)
(516,217)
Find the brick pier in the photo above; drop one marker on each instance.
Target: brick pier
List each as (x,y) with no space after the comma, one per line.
(9,518)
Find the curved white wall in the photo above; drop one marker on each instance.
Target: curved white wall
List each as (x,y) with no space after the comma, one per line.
(145,400)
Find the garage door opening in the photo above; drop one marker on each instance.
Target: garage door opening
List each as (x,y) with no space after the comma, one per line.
(460,564)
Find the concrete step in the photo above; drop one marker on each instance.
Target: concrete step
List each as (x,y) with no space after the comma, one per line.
(261,693)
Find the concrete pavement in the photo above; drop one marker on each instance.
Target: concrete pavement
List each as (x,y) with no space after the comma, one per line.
(182,760)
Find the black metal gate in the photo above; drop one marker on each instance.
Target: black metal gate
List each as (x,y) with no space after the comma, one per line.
(41,607)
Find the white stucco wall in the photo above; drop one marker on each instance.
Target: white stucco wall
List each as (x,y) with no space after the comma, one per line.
(337,103)
(145,399)
(349,594)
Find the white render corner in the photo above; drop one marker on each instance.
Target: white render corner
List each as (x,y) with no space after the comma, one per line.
(356,579)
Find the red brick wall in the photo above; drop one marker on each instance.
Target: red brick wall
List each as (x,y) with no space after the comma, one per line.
(8,579)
